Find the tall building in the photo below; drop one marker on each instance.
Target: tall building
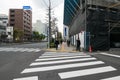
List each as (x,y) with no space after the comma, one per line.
(97,21)
(40,27)
(22,20)
(3,26)
(5,29)
(3,23)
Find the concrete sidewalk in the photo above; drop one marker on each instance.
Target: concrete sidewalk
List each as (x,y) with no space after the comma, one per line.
(63,48)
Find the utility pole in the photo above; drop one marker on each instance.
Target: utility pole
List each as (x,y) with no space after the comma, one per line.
(86,25)
(49,29)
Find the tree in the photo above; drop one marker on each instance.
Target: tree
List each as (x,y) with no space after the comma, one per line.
(37,36)
(59,36)
(18,35)
(42,36)
(53,22)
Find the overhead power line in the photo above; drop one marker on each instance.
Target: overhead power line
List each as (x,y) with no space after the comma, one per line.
(47,5)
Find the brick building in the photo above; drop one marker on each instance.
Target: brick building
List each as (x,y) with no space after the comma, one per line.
(22,20)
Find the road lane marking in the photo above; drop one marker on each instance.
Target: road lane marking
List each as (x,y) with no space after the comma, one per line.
(61,61)
(56,67)
(58,58)
(20,49)
(27,78)
(37,50)
(62,54)
(112,78)
(112,55)
(51,56)
(78,73)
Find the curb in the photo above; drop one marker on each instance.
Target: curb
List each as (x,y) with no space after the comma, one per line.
(53,50)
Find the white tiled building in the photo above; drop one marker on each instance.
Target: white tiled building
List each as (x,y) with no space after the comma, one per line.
(40,27)
(4,28)
(3,23)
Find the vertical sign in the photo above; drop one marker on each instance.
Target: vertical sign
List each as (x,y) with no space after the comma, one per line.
(87,40)
(65,31)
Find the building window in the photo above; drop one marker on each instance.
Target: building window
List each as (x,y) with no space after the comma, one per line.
(12,24)
(9,33)
(12,15)
(12,19)
(4,21)
(12,11)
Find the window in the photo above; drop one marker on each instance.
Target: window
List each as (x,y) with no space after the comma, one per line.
(12,15)
(12,19)
(12,11)
(4,21)
(12,24)
(9,33)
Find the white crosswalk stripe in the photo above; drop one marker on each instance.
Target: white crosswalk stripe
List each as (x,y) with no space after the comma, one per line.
(49,54)
(54,56)
(61,61)
(49,68)
(112,78)
(58,58)
(52,61)
(78,73)
(28,78)
(19,49)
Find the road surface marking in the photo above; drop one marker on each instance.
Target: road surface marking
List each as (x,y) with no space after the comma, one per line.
(56,67)
(45,59)
(112,55)
(78,73)
(112,78)
(51,56)
(37,50)
(61,61)
(28,78)
(19,49)
(62,54)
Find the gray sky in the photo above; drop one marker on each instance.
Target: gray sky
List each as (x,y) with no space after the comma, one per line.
(38,7)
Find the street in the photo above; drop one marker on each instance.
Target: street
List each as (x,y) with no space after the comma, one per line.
(30,62)
(14,58)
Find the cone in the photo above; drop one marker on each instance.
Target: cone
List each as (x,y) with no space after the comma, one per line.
(90,49)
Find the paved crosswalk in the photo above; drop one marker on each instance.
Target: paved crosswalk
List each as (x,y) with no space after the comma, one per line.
(15,49)
(52,61)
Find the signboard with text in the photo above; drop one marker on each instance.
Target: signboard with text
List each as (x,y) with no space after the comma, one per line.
(27,8)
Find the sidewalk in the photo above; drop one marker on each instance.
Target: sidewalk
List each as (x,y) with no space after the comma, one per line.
(63,48)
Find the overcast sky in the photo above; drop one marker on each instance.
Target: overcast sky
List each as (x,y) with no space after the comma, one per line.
(39,8)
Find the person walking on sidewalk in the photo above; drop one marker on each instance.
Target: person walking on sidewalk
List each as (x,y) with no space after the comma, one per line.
(68,43)
(78,45)
(56,44)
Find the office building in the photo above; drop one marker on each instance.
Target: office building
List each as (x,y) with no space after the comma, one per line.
(21,20)
(97,21)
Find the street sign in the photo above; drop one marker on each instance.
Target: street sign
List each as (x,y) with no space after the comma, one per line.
(65,31)
(27,7)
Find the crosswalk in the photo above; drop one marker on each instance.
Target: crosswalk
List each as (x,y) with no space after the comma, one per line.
(53,61)
(15,49)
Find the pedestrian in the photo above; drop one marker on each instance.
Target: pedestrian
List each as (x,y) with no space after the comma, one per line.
(56,44)
(68,43)
(61,41)
(78,45)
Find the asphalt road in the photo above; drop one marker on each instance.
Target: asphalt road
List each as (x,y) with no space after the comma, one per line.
(29,62)
(14,58)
